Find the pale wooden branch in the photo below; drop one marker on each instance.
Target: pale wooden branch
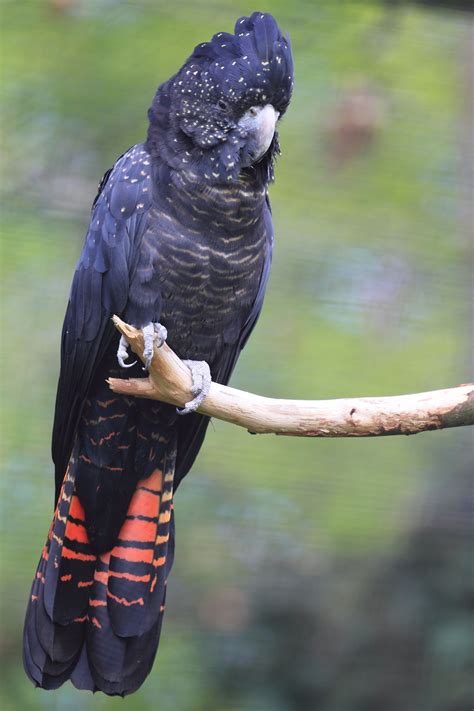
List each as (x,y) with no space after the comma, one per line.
(170,381)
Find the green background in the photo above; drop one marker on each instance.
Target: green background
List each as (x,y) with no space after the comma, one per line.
(328,575)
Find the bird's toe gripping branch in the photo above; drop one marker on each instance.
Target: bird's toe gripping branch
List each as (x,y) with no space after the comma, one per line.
(122,353)
(153,334)
(201,375)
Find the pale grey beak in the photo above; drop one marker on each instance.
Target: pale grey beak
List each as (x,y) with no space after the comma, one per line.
(259,122)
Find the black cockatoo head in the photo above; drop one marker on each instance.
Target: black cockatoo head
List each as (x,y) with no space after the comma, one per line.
(217,115)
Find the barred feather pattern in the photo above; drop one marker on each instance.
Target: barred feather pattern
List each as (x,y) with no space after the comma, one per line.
(75,623)
(181,233)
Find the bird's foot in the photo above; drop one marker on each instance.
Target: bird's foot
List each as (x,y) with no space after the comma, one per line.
(153,334)
(201,375)
(122,353)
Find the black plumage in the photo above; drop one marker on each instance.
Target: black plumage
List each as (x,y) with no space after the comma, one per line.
(181,233)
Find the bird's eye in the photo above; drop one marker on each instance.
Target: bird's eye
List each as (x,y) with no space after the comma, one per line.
(253,111)
(222,105)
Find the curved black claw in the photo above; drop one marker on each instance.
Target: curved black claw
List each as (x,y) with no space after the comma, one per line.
(201,375)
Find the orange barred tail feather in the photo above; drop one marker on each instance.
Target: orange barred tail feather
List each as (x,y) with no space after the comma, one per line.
(96,618)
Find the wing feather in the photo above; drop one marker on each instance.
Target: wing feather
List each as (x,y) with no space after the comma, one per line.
(100,288)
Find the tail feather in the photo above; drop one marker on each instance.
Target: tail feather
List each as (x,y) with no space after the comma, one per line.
(121,669)
(140,563)
(71,560)
(106,651)
(50,650)
(39,667)
(81,675)
(95,618)
(61,641)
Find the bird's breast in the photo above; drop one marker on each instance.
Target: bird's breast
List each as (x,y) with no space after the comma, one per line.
(208,279)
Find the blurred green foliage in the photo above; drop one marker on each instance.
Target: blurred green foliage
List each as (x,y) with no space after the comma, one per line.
(368,295)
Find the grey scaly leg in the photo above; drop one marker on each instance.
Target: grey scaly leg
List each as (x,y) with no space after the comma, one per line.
(201,375)
(153,333)
(122,353)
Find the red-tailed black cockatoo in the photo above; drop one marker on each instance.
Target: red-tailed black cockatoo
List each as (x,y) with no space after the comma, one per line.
(180,245)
